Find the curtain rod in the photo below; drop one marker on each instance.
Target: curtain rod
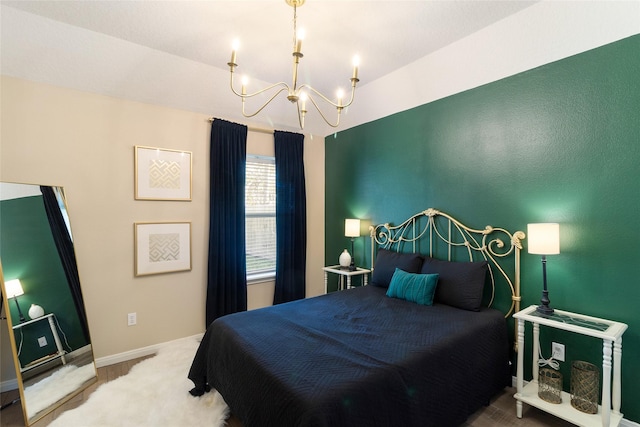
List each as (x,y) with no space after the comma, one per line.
(252,129)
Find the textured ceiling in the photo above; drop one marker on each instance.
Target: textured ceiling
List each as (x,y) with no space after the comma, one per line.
(140,49)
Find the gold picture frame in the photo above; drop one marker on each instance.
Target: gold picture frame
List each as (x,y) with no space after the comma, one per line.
(162,174)
(162,247)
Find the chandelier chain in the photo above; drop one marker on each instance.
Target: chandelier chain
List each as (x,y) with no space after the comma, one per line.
(295,27)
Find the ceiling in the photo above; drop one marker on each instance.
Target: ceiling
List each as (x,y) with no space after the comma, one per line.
(174,53)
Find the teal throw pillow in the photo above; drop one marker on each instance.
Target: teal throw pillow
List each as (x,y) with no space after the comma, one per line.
(418,288)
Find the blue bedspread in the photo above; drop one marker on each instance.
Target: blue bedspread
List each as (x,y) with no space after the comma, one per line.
(354,358)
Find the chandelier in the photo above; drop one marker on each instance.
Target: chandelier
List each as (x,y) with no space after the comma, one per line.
(298,95)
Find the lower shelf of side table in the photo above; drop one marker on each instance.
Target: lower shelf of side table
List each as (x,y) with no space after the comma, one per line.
(42,361)
(564,410)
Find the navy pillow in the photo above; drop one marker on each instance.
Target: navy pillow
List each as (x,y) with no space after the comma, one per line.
(387,262)
(418,288)
(461,284)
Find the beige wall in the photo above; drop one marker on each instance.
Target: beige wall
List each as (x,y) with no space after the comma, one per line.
(85,142)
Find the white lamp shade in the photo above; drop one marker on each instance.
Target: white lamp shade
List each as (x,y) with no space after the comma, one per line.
(352,227)
(13,288)
(543,239)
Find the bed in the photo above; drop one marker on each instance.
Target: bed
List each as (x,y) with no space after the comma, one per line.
(399,351)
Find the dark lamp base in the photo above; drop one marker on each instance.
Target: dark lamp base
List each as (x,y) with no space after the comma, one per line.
(544,301)
(352,266)
(544,309)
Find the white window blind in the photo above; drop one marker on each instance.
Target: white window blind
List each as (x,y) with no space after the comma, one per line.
(260,205)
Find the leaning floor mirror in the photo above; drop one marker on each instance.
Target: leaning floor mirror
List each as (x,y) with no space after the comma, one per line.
(42,300)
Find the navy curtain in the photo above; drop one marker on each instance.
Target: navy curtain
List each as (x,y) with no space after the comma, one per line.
(227,281)
(64,244)
(291,218)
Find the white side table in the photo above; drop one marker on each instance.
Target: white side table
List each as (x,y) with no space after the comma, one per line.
(344,273)
(54,331)
(611,335)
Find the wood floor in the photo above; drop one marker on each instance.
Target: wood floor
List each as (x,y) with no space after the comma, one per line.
(501,412)
(12,416)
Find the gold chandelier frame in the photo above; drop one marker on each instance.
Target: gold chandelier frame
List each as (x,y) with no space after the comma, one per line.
(295,94)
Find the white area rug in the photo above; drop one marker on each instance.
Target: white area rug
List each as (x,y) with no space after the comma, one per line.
(61,383)
(155,393)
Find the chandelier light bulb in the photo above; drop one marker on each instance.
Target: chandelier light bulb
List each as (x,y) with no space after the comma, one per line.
(234,47)
(303,98)
(299,37)
(340,95)
(356,64)
(245,81)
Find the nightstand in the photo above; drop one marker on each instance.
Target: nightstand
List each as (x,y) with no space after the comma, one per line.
(51,318)
(611,335)
(344,273)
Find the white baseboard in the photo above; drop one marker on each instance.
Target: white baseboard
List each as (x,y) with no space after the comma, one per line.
(626,423)
(8,385)
(12,383)
(623,423)
(140,352)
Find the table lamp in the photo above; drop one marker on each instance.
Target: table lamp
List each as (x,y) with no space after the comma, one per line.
(544,239)
(352,229)
(14,290)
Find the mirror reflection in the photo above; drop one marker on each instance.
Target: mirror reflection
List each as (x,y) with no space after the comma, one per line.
(42,298)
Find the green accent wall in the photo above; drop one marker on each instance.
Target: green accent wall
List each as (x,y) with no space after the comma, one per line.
(558,143)
(28,253)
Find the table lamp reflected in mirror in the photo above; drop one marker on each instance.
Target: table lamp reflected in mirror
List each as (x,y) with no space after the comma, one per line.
(14,290)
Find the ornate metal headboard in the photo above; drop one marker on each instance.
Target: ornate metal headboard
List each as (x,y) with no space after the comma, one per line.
(434,229)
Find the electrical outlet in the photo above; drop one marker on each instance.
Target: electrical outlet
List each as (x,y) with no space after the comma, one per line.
(132,319)
(557,351)
(42,341)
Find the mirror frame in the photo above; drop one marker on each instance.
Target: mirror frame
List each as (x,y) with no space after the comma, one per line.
(14,350)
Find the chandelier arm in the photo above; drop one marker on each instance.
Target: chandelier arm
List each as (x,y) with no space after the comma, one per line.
(283,84)
(263,105)
(353,91)
(313,101)
(300,115)
(231,84)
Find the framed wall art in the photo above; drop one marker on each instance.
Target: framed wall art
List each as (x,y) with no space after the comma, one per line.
(162,247)
(162,174)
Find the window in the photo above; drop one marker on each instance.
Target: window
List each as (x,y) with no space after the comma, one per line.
(260,205)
